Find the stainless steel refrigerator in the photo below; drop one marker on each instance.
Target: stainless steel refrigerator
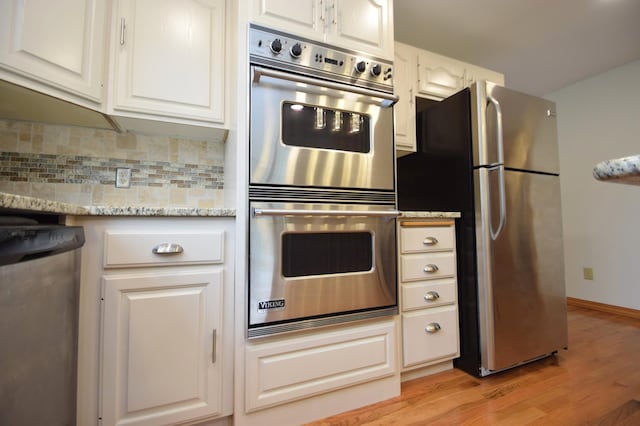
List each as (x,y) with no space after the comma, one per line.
(491,153)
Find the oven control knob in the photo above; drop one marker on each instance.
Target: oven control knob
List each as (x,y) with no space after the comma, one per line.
(296,50)
(276,46)
(361,66)
(376,70)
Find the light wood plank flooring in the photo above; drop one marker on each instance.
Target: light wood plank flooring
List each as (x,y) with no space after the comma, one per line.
(595,382)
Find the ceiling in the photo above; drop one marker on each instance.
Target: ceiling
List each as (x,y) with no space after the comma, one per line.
(539,45)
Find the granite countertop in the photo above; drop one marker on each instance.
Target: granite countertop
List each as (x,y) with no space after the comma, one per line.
(620,170)
(37,205)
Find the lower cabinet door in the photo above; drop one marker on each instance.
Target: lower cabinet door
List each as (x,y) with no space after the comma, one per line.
(430,335)
(292,368)
(160,359)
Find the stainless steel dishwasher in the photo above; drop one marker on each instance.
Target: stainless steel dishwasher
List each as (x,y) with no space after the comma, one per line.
(39,287)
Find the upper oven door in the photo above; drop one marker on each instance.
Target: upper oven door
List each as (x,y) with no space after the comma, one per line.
(309,132)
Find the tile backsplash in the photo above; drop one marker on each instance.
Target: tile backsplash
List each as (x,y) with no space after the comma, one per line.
(78,165)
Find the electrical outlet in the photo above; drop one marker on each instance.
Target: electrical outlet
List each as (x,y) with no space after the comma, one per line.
(587,273)
(123,178)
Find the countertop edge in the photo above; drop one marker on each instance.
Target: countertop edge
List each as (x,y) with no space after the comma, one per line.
(27,204)
(619,170)
(23,203)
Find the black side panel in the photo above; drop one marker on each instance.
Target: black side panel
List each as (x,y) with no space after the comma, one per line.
(469,359)
(437,177)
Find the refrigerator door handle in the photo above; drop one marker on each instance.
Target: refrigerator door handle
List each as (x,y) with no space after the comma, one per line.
(499,140)
(503,204)
(500,153)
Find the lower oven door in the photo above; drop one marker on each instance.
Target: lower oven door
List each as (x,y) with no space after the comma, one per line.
(318,264)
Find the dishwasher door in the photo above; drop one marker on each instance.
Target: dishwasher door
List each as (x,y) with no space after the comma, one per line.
(39,286)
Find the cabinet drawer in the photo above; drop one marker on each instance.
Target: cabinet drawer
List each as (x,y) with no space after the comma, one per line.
(137,249)
(427,266)
(427,238)
(439,342)
(294,368)
(428,294)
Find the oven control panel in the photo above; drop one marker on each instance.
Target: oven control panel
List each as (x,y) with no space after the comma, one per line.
(281,50)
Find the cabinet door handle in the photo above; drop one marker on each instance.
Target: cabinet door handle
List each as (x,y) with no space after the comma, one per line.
(431,268)
(213,346)
(431,296)
(122,28)
(433,327)
(322,11)
(167,248)
(430,241)
(335,13)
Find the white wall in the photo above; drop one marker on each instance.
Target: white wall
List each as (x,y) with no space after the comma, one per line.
(599,119)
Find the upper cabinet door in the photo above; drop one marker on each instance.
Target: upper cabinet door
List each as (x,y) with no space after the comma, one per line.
(303,17)
(365,25)
(404,111)
(439,76)
(169,58)
(59,43)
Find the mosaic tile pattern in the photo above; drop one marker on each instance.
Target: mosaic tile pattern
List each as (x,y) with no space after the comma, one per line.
(77,165)
(49,168)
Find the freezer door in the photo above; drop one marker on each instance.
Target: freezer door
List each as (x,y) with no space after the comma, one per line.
(521,290)
(526,124)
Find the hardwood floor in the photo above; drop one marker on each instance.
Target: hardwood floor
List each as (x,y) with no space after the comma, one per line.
(595,382)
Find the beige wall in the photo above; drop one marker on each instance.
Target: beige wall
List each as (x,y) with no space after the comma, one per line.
(77,165)
(599,119)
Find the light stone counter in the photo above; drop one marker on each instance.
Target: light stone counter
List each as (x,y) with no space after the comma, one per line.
(620,170)
(37,205)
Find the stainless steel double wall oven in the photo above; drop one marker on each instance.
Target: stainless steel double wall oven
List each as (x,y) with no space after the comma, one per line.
(321,188)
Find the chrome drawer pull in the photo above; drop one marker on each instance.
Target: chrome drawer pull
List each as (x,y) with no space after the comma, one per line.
(430,241)
(167,248)
(433,327)
(431,296)
(430,268)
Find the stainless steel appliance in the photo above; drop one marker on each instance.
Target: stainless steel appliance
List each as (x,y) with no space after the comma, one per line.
(322,188)
(39,285)
(493,153)
(320,116)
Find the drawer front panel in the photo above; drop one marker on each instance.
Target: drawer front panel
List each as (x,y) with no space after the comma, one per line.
(421,346)
(297,368)
(425,239)
(137,249)
(417,267)
(428,294)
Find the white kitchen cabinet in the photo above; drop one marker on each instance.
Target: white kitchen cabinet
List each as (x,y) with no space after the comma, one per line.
(439,76)
(428,293)
(56,47)
(159,347)
(404,111)
(155,339)
(364,25)
(427,75)
(168,59)
(278,369)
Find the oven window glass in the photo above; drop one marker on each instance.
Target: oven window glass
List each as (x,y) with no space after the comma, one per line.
(325,253)
(317,127)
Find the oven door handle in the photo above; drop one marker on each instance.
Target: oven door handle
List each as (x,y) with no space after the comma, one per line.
(302,212)
(387,99)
